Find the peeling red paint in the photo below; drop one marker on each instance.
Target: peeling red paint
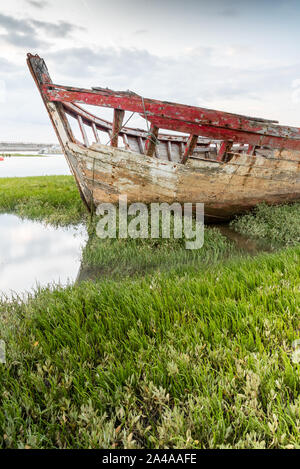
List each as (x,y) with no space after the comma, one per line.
(183,118)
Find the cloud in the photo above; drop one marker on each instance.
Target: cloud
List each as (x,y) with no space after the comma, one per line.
(13,24)
(193,74)
(117,64)
(141,31)
(7,67)
(202,76)
(38,4)
(23,40)
(60,29)
(26,32)
(2,91)
(228,11)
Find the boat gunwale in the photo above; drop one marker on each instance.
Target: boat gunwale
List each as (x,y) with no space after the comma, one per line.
(241,124)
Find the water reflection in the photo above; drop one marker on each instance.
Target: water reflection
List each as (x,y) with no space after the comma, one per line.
(31,253)
(246,244)
(24,166)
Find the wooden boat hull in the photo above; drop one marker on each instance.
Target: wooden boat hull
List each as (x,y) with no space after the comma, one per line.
(226,189)
(253,160)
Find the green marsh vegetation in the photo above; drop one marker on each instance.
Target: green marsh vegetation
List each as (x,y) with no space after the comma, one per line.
(55,200)
(277,227)
(280,225)
(51,199)
(120,257)
(178,350)
(198,360)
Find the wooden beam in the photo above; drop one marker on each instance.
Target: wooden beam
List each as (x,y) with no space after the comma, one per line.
(169,150)
(141,145)
(224,148)
(189,148)
(217,125)
(117,125)
(126,142)
(95,131)
(134,103)
(217,133)
(151,142)
(74,110)
(251,149)
(82,129)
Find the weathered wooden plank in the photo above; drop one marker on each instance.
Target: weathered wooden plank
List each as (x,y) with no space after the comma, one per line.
(165,110)
(141,145)
(224,148)
(251,149)
(95,133)
(101,124)
(189,148)
(117,124)
(126,142)
(218,133)
(225,189)
(109,98)
(83,132)
(157,154)
(151,141)
(169,151)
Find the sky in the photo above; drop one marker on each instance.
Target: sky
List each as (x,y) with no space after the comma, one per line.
(233,55)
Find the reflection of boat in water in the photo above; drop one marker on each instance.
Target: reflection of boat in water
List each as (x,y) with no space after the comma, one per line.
(227,161)
(244,245)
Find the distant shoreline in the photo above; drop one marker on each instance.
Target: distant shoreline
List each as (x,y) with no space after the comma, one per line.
(15,147)
(30,155)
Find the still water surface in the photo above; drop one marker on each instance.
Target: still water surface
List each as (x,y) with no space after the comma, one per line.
(34,254)
(24,166)
(30,252)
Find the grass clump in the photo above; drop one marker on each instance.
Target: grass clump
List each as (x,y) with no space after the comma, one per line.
(52,199)
(279,224)
(119,257)
(168,361)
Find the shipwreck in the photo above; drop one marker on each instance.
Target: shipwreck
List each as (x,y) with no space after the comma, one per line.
(227,161)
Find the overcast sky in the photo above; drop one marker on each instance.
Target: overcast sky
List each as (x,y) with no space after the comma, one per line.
(237,55)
